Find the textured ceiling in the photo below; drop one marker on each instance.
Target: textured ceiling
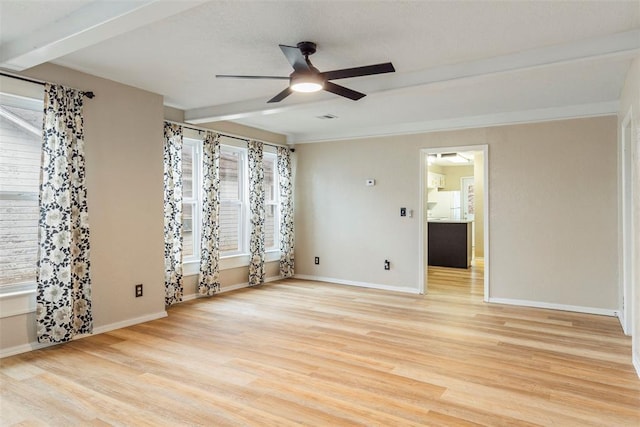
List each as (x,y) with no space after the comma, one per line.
(454,60)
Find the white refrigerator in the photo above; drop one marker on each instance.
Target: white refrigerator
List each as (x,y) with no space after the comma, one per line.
(447,205)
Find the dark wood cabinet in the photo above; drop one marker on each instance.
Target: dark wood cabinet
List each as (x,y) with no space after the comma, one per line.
(449,244)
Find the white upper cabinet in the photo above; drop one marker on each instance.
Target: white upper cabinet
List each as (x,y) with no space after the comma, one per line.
(435,180)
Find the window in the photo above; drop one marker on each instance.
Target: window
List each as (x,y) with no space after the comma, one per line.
(234,204)
(20,151)
(191,172)
(271,193)
(233,201)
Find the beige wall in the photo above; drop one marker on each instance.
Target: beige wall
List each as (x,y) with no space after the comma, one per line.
(630,98)
(452,183)
(246,131)
(173,114)
(230,278)
(453,175)
(123,135)
(177,115)
(553,222)
(551,190)
(123,143)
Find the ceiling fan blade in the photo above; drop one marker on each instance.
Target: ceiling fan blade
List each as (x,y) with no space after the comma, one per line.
(282,95)
(229,76)
(359,71)
(343,91)
(295,58)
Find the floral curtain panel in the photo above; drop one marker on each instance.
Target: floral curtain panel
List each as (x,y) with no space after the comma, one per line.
(64,284)
(256,214)
(172,213)
(209,281)
(286,212)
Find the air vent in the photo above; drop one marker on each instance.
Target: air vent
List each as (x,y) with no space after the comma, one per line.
(327,117)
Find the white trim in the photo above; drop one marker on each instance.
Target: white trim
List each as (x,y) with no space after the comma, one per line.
(554,306)
(636,363)
(485,215)
(625,232)
(196,195)
(537,115)
(422,233)
(8,291)
(422,217)
(190,268)
(24,348)
(359,284)
(17,299)
(230,288)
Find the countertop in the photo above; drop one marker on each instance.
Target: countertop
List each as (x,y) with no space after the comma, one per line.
(447,220)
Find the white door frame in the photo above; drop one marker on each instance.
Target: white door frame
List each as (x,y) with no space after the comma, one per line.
(464,192)
(464,206)
(626,241)
(423,241)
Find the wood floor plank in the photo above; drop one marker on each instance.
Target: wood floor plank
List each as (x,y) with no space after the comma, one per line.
(299,352)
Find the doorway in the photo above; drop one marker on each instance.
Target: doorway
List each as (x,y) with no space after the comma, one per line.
(626,223)
(479,207)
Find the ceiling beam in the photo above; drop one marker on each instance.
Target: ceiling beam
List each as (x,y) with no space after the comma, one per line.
(607,108)
(614,46)
(98,21)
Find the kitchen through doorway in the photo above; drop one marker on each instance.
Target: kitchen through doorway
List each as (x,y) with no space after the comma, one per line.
(454,226)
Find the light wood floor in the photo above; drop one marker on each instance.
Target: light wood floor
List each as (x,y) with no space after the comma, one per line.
(299,352)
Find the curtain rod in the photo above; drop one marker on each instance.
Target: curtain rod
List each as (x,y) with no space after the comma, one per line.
(228,135)
(89,95)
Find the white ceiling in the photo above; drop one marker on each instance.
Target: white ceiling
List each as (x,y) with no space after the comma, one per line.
(458,63)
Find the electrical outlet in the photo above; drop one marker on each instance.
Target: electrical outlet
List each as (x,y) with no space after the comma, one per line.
(139,290)
(387,265)
(316,260)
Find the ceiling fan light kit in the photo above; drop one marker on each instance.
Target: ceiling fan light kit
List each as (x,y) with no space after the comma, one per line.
(306,83)
(306,78)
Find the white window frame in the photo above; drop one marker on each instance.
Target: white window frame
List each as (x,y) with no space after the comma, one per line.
(274,202)
(196,196)
(19,298)
(240,257)
(243,201)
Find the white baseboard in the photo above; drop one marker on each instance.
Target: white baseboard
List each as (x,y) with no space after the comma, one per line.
(128,322)
(229,288)
(553,306)
(24,348)
(620,316)
(636,363)
(359,284)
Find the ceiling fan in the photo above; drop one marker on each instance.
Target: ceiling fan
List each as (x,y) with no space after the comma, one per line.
(307,78)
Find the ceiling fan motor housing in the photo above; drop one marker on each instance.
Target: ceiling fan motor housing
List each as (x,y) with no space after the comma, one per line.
(307,48)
